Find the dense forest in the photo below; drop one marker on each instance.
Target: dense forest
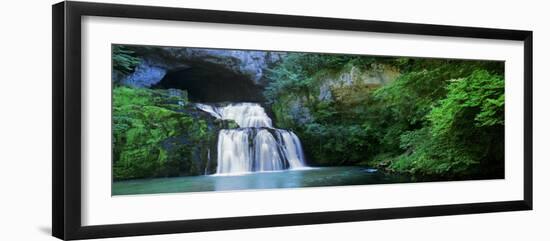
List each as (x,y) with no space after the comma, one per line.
(428,118)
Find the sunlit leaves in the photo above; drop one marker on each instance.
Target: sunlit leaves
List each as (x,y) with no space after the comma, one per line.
(481,94)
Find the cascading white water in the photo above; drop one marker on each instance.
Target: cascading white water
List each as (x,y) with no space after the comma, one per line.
(234,154)
(266,152)
(256,146)
(293,149)
(245,114)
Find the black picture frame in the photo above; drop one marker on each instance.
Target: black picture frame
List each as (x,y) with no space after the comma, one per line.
(66,128)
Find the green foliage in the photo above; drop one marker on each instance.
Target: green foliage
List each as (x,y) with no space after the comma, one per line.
(442,117)
(481,93)
(464,132)
(329,142)
(437,118)
(411,96)
(147,133)
(432,155)
(124,60)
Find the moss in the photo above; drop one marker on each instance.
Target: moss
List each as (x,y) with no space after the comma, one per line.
(154,137)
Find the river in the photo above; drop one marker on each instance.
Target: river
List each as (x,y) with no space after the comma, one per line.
(311,177)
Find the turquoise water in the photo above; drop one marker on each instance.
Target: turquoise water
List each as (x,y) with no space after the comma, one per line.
(313,177)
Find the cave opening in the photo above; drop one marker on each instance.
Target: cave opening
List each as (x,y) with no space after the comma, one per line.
(208,82)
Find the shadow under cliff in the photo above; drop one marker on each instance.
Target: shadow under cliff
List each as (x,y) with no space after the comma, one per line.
(207,82)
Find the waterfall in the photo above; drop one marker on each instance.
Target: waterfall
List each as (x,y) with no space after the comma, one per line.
(234,154)
(255,146)
(245,114)
(266,152)
(293,149)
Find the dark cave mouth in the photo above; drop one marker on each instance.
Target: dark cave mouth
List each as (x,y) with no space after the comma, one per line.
(207,82)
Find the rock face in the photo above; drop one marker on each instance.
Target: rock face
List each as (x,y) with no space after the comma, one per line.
(249,63)
(146,74)
(376,75)
(338,87)
(157,62)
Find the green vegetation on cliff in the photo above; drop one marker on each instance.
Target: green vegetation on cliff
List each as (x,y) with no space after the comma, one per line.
(124,59)
(436,117)
(154,135)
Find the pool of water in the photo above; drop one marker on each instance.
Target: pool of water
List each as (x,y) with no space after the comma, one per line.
(311,177)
